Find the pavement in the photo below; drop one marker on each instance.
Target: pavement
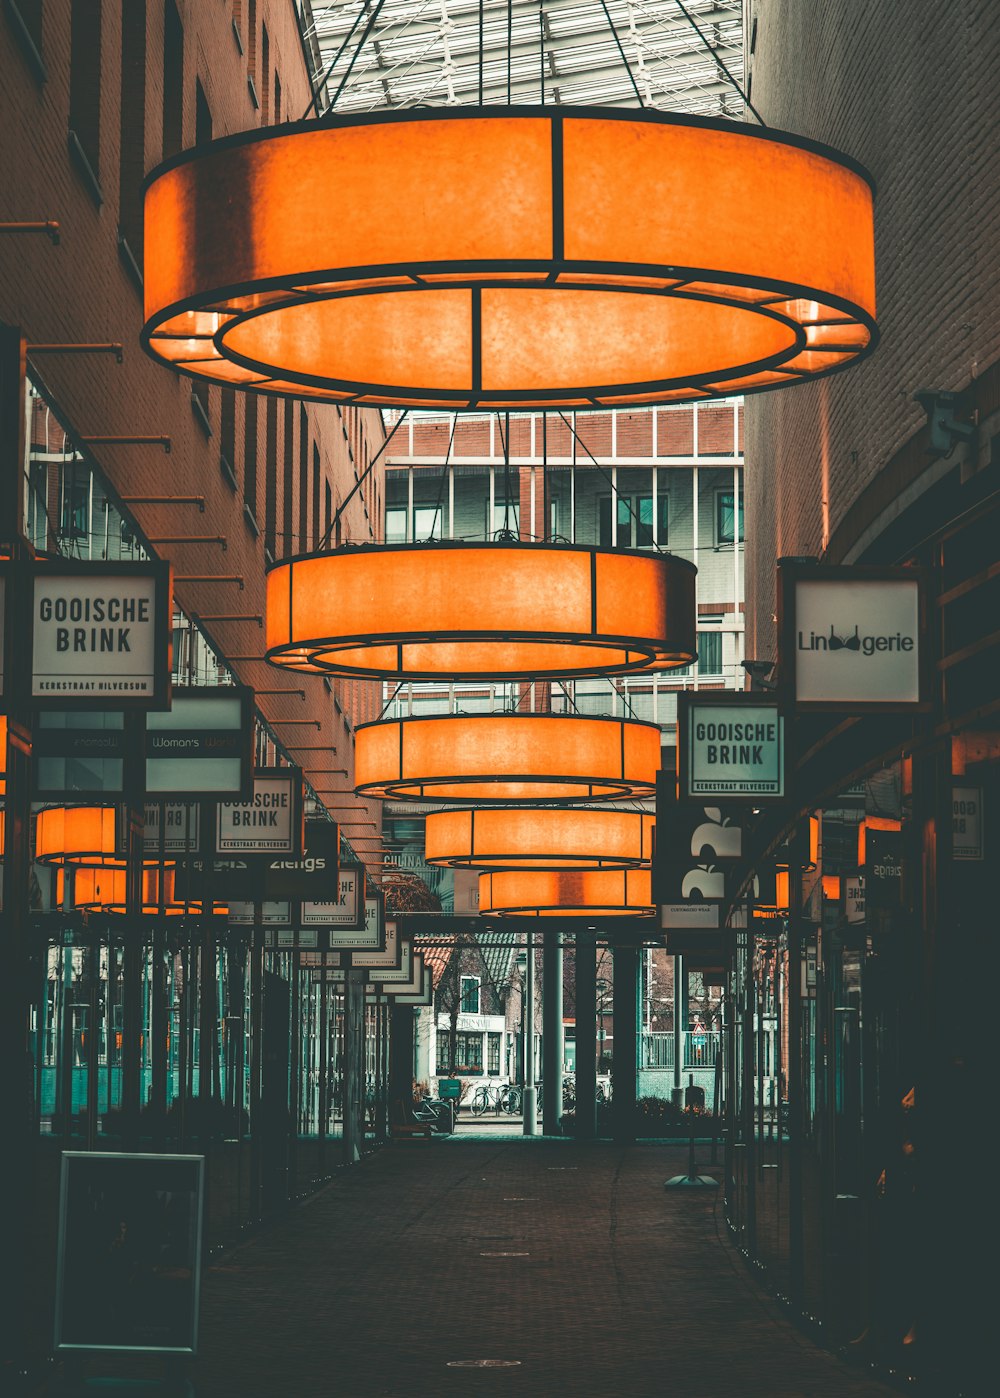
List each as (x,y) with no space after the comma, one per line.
(501,1267)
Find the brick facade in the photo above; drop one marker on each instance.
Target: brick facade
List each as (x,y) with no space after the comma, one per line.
(910,92)
(85,291)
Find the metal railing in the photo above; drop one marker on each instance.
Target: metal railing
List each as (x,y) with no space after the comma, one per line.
(698,1050)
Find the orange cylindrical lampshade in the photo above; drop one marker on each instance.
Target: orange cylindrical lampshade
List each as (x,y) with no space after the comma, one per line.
(103,889)
(472,611)
(505,759)
(549,257)
(530,837)
(77,835)
(567,893)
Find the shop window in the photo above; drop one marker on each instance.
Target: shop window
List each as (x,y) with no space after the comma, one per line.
(468,1053)
(724,518)
(635,521)
(470,995)
(493,1055)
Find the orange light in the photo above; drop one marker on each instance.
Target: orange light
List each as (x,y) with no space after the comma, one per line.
(79,835)
(548,258)
(503,759)
(567,893)
(873,822)
(781,890)
(473,611)
(103,890)
(539,838)
(831,888)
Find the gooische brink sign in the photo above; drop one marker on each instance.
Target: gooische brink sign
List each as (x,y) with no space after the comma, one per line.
(101,635)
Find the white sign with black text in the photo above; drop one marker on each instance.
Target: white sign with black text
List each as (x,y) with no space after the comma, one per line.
(263,825)
(854,898)
(857,641)
(967,822)
(346,910)
(95,635)
(734,750)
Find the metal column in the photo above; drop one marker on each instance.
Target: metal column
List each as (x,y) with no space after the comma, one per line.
(530,1099)
(625,1008)
(586,1036)
(552,1034)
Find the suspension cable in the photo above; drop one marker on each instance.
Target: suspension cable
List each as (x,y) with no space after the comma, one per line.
(372,20)
(336,59)
(621,50)
(361,480)
(718,62)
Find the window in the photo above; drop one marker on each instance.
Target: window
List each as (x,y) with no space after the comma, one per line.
(395,524)
(173,81)
(493,1055)
(470,995)
(288,469)
(506,515)
(427,522)
(315,496)
(131,165)
(724,518)
(468,1053)
(271,475)
(635,521)
(227,434)
(303,541)
(26,18)
(709,652)
(85,90)
(250,455)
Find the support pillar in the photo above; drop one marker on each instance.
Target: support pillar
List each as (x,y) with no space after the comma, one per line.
(625,1007)
(530,1098)
(552,1034)
(586,1036)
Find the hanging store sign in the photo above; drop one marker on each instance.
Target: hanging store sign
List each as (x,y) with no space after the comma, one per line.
(694,845)
(344,913)
(390,958)
(967,822)
(399,974)
(292,938)
(883,868)
(272,913)
(853,636)
(701,916)
(730,747)
(270,822)
(77,754)
(101,635)
(179,823)
(221,880)
(854,898)
(203,745)
(400,983)
(423,998)
(313,873)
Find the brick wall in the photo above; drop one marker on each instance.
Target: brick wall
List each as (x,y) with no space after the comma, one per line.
(910,91)
(83,291)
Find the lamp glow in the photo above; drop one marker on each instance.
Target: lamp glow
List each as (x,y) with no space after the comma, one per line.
(549,258)
(501,759)
(567,893)
(539,838)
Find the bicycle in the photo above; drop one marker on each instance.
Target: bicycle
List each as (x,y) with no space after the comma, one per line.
(501,1097)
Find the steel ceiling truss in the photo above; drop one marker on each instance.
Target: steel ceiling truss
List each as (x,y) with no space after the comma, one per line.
(461,52)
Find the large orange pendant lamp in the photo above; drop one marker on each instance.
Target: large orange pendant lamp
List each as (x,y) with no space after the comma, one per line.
(502,759)
(539,837)
(567,893)
(79,835)
(103,890)
(479,610)
(548,257)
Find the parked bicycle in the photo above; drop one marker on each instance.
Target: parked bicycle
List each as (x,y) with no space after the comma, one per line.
(499,1097)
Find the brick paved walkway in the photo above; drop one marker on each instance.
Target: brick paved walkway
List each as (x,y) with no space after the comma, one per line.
(570,1259)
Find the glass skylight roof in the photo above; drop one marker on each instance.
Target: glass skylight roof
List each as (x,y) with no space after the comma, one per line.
(463,52)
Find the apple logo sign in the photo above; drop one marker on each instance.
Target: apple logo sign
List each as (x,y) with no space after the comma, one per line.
(716,837)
